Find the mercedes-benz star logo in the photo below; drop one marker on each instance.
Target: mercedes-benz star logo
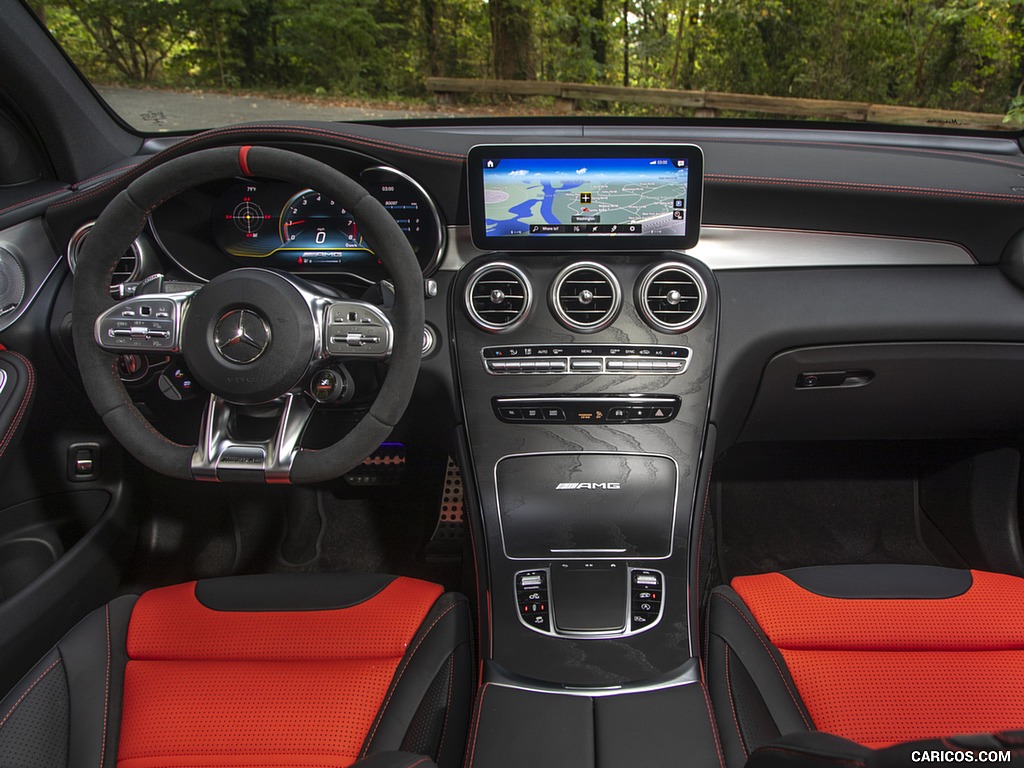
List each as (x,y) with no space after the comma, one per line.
(241,336)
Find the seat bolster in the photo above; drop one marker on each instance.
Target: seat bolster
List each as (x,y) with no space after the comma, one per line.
(810,750)
(94,656)
(441,647)
(394,760)
(34,717)
(752,693)
(824,750)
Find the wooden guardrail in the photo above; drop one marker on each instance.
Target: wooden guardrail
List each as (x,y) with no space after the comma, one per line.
(712,103)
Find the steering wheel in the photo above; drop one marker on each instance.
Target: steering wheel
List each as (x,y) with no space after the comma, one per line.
(250,335)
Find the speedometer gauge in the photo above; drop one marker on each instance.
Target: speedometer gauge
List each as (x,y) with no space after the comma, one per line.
(311,220)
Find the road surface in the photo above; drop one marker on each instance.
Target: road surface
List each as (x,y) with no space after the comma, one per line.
(152,110)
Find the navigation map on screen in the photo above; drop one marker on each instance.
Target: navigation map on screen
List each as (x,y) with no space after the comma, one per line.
(584,196)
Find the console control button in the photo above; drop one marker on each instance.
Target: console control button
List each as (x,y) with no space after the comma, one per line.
(569,409)
(532,600)
(646,598)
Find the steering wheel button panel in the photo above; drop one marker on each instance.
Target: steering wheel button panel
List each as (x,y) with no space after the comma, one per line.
(142,324)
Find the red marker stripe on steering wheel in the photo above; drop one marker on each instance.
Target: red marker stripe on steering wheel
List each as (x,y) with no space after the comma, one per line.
(243,159)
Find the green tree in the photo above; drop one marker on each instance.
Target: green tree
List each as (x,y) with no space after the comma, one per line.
(134,38)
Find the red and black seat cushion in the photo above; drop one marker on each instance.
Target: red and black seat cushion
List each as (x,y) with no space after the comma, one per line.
(875,654)
(311,670)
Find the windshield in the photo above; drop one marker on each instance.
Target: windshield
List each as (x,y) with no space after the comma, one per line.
(167,65)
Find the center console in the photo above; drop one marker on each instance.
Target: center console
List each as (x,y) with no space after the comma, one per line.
(586,480)
(585,353)
(584,361)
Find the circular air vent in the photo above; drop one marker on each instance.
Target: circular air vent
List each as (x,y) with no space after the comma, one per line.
(586,297)
(498,297)
(127,266)
(671,297)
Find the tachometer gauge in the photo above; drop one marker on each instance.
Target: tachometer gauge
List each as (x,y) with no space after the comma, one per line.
(315,222)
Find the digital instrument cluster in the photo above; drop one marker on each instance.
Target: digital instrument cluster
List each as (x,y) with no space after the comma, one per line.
(275,224)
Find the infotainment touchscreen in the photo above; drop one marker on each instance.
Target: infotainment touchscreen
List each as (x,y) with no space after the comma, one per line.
(585,197)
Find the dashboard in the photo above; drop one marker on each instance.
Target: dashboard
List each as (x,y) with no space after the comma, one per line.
(838,288)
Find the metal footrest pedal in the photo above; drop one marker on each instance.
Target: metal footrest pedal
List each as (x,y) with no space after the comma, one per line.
(450,530)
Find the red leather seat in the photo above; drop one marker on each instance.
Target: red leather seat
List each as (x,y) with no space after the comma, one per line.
(296,670)
(878,655)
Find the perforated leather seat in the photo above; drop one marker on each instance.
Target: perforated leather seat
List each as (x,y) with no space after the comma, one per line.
(296,670)
(878,655)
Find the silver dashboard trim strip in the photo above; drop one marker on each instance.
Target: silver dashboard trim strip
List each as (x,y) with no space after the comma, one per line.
(730,248)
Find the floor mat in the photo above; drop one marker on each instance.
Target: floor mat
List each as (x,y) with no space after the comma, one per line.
(783,507)
(196,530)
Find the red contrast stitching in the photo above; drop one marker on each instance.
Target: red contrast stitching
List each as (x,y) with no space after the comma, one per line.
(714,726)
(864,187)
(476,723)
(785,682)
(732,705)
(476,580)
(700,543)
(448,706)
(27,692)
(111,172)
(421,761)
(351,138)
(976,156)
(23,407)
(106,692)
(401,672)
(23,203)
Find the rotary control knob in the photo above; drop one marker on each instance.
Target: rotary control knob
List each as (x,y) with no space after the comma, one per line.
(326,386)
(330,385)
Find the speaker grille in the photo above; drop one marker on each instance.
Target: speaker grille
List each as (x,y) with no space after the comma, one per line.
(12,282)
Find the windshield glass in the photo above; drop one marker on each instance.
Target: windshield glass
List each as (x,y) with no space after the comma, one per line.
(167,65)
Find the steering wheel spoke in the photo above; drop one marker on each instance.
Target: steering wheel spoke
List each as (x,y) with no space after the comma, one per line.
(148,323)
(219,456)
(357,330)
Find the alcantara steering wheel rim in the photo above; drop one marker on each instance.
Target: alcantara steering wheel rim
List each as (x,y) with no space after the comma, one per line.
(278,300)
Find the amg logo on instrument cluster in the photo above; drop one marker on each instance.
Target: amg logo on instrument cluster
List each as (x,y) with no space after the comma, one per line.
(588,486)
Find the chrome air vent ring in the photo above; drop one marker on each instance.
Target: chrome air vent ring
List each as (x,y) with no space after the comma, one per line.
(671,297)
(128,266)
(498,296)
(586,297)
